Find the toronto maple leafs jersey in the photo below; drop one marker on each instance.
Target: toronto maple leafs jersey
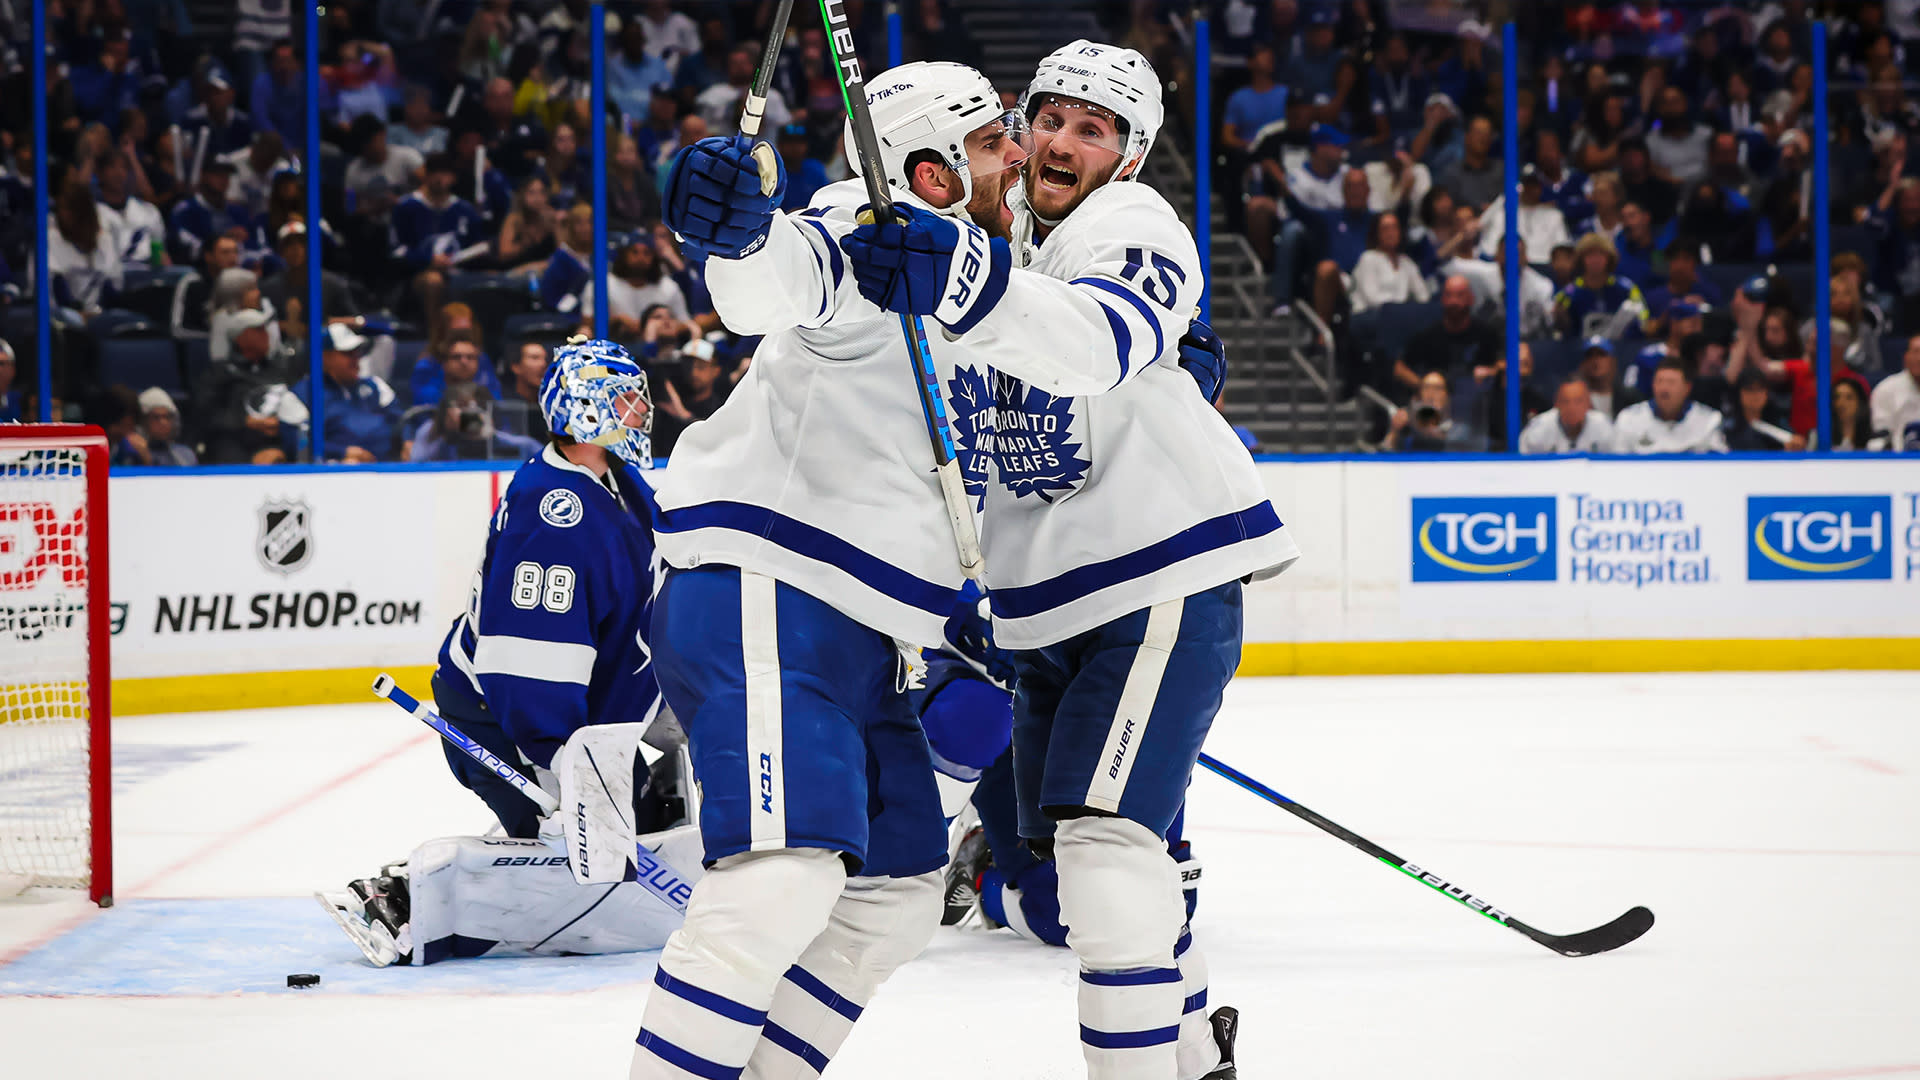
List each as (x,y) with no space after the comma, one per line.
(817,471)
(1111,484)
(554,635)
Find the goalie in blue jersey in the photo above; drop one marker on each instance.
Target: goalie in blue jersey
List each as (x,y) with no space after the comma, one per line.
(549,668)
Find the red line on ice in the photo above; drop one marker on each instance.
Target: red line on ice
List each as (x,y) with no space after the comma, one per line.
(324,789)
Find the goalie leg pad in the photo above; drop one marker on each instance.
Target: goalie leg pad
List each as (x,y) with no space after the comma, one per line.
(596,768)
(494,896)
(1120,899)
(750,919)
(877,925)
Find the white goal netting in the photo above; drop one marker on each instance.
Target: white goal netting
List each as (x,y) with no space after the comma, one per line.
(45,804)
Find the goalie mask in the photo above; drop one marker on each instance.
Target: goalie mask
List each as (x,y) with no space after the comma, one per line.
(940,108)
(590,394)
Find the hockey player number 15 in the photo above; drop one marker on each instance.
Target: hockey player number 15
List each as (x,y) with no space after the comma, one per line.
(536,586)
(1159,291)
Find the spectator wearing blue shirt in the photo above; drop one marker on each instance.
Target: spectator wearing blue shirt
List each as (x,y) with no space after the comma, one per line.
(1597,301)
(700,70)
(109,84)
(1640,253)
(1397,92)
(277,99)
(1683,319)
(417,128)
(1314,67)
(1683,281)
(430,227)
(570,270)
(1896,271)
(1563,187)
(634,73)
(215,123)
(1254,106)
(1341,238)
(477,181)
(360,414)
(805,175)
(460,361)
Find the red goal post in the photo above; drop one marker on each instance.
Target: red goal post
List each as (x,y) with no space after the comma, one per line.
(56,761)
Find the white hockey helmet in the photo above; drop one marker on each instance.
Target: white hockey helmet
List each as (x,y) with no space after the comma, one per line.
(926,105)
(1117,79)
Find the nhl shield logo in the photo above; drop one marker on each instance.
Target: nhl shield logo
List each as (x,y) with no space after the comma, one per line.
(286,536)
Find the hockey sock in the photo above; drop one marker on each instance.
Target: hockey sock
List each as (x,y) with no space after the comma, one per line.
(750,919)
(877,925)
(1198,1052)
(1131,990)
(1029,904)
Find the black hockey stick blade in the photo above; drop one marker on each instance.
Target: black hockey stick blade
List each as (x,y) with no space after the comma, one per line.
(1621,931)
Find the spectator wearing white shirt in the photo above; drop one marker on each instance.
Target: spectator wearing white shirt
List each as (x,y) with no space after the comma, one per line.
(670,34)
(254,169)
(380,172)
(133,227)
(1317,182)
(1385,274)
(1572,426)
(1398,183)
(1896,402)
(635,283)
(720,103)
(81,261)
(1542,226)
(1671,422)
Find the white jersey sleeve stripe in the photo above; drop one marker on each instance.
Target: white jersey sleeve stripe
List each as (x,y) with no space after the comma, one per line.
(529,658)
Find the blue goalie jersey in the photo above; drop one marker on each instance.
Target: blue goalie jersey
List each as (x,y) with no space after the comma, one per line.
(554,635)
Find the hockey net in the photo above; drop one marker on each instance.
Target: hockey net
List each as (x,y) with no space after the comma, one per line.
(55,824)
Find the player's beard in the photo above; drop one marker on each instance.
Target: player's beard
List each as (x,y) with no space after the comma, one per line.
(1051,203)
(988,206)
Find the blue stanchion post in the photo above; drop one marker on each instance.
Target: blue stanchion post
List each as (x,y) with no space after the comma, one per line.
(896,47)
(316,318)
(597,16)
(1203,155)
(1822,282)
(1510,126)
(42,210)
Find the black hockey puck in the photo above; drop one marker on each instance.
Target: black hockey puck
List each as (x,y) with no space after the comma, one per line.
(303,981)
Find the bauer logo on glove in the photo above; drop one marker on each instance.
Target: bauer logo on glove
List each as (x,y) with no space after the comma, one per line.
(930,264)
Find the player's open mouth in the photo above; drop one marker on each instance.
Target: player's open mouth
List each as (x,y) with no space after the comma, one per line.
(1055,177)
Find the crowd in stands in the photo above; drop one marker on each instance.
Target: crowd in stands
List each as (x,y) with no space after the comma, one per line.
(457,230)
(1665,214)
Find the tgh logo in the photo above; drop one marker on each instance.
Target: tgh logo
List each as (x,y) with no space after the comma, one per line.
(285,541)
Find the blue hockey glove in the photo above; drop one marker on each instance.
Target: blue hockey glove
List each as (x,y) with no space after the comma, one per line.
(930,264)
(713,200)
(1204,357)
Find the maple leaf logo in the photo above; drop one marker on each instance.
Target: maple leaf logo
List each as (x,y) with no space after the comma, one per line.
(972,422)
(1033,442)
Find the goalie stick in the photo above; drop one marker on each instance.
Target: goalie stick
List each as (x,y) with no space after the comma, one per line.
(933,406)
(1600,939)
(647,865)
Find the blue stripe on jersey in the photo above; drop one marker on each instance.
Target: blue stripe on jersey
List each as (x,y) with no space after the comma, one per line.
(1131,297)
(1122,340)
(1223,531)
(1196,1003)
(1142,977)
(708,1000)
(797,1046)
(823,993)
(1128,1040)
(816,544)
(833,252)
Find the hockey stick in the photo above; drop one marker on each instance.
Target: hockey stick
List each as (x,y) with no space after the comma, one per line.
(657,877)
(953,487)
(756,107)
(1600,939)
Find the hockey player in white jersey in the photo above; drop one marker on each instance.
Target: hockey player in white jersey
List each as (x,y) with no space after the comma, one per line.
(808,548)
(548,668)
(1121,518)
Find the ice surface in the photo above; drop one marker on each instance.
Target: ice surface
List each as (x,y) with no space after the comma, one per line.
(1772,822)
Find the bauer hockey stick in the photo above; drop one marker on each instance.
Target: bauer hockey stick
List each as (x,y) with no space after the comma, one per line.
(933,405)
(656,876)
(1600,939)
(756,107)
